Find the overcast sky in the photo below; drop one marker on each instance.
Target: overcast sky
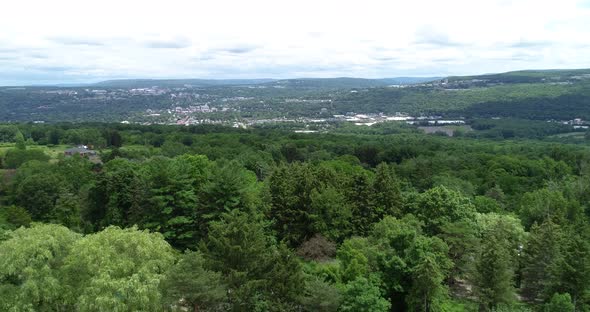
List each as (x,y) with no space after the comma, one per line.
(61,41)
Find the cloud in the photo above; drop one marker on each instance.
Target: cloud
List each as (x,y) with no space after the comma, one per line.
(38,56)
(9,50)
(530,44)
(260,38)
(52,68)
(172,43)
(385,58)
(84,41)
(429,35)
(238,49)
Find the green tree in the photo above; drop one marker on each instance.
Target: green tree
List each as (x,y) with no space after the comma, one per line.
(387,197)
(429,269)
(571,270)
(14,158)
(330,213)
(173,188)
(493,276)
(462,239)
(38,193)
(289,190)
(254,267)
(541,250)
(117,270)
(439,206)
(321,296)
(30,263)
(363,295)
(191,281)
(353,256)
(539,205)
(16,216)
(359,192)
(560,303)
(228,187)
(20,141)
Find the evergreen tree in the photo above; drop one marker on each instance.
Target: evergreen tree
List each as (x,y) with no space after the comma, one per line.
(560,303)
(540,252)
(190,281)
(493,277)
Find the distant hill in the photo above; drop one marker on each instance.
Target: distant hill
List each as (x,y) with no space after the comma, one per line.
(314,83)
(529,76)
(175,83)
(529,94)
(526,94)
(408,80)
(348,82)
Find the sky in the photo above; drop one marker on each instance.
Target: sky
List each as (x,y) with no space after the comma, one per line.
(62,41)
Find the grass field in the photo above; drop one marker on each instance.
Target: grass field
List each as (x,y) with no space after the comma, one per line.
(577,135)
(53,151)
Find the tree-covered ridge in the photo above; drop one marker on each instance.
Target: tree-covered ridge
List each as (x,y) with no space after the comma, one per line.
(543,101)
(539,95)
(221,219)
(528,76)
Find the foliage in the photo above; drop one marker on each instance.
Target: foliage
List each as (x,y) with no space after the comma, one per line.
(363,295)
(189,281)
(30,263)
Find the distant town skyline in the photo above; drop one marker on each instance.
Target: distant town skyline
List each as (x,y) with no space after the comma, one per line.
(63,41)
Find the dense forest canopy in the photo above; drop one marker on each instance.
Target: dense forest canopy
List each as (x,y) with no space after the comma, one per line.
(212,218)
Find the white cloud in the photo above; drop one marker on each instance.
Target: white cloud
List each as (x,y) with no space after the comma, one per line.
(53,41)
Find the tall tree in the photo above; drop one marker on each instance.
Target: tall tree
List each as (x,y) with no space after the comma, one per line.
(387,197)
(572,269)
(255,269)
(429,269)
(541,250)
(189,280)
(493,277)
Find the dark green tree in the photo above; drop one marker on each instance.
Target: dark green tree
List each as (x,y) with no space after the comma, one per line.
(387,197)
(189,280)
(560,303)
(541,250)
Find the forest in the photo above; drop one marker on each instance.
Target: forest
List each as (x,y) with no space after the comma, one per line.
(212,218)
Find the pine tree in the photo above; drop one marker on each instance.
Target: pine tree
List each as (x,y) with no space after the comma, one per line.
(540,252)
(493,276)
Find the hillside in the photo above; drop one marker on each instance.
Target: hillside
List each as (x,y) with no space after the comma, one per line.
(558,94)
(177,83)
(539,95)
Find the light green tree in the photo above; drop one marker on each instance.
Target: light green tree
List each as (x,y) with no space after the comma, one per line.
(363,295)
(20,141)
(117,270)
(30,263)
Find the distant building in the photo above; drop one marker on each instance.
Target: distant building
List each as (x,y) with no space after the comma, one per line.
(81,150)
